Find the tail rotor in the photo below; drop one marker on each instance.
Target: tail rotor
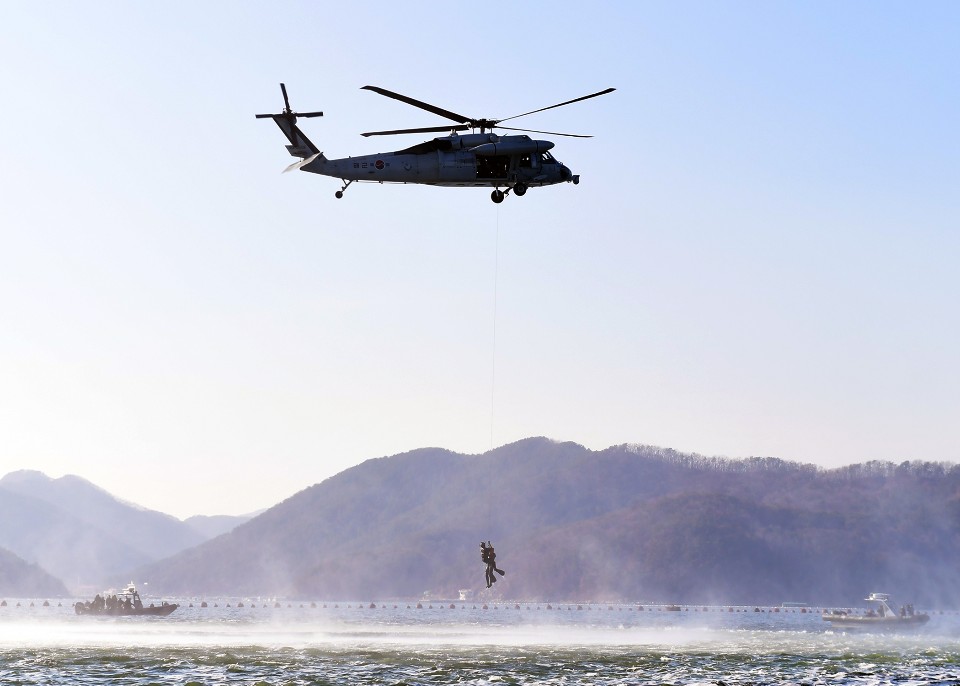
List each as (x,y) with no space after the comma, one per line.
(288,113)
(300,146)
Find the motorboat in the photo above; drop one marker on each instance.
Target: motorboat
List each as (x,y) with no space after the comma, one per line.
(880,617)
(120,603)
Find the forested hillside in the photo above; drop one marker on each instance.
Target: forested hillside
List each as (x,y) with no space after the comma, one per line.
(20,579)
(629,523)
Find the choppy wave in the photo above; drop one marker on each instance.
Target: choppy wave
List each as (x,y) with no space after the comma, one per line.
(509,645)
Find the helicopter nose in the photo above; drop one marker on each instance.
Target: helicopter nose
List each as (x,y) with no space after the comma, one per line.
(565,173)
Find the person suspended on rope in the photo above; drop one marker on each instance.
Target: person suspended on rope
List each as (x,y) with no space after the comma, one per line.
(493,560)
(488,572)
(489,557)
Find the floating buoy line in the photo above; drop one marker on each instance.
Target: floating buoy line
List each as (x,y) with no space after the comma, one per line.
(42,605)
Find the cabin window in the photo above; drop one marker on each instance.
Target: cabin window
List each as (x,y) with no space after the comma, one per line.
(531,161)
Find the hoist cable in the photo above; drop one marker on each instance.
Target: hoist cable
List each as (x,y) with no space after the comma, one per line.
(493,361)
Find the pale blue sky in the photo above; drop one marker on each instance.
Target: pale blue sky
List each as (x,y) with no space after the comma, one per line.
(760,258)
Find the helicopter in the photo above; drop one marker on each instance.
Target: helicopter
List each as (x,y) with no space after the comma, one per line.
(509,162)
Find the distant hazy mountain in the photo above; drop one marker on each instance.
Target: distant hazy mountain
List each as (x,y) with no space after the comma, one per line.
(20,579)
(211,526)
(81,533)
(627,523)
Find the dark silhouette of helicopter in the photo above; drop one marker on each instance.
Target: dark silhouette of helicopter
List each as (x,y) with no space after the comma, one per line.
(511,162)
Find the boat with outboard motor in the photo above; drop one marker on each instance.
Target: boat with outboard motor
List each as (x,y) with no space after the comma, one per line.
(125,602)
(879,618)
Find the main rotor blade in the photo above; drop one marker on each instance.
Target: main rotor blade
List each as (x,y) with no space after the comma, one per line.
(428,129)
(568,102)
(549,133)
(417,103)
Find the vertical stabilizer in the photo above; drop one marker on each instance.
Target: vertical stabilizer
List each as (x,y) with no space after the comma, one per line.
(300,146)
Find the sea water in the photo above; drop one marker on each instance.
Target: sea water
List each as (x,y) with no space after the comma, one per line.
(266,642)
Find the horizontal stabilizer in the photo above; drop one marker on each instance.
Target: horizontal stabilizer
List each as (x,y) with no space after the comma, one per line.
(302,163)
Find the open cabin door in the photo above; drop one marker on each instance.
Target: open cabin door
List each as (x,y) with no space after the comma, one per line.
(493,166)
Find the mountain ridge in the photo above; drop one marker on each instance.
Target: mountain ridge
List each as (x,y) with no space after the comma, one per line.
(82,534)
(19,578)
(629,522)
(636,521)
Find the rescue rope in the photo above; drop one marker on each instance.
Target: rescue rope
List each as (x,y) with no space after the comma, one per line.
(493,362)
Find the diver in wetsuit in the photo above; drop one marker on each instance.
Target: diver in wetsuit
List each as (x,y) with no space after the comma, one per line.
(489,557)
(485,557)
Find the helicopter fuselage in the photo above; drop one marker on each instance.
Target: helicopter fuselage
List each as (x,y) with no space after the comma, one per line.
(468,160)
(515,162)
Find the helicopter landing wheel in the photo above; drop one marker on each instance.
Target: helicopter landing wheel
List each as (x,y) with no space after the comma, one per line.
(497,196)
(519,189)
(339,193)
